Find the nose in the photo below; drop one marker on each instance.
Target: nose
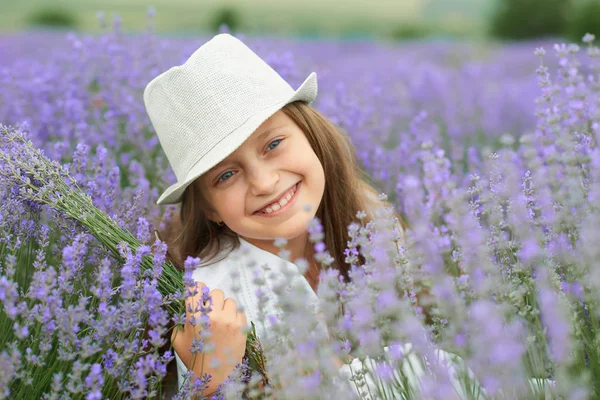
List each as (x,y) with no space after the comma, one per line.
(262,180)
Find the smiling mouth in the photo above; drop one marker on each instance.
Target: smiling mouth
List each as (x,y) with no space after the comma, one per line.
(281,205)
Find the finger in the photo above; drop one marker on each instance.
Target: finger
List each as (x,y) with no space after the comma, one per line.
(230,306)
(193,295)
(194,290)
(218,298)
(241,315)
(192,301)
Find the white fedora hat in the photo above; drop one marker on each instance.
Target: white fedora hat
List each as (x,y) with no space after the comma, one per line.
(204,109)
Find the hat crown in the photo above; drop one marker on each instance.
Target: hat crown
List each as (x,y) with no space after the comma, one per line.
(197,104)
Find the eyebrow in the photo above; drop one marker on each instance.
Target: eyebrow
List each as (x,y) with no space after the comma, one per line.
(265,133)
(258,139)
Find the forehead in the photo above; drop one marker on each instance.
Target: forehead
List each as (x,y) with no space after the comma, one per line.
(275,121)
(272,124)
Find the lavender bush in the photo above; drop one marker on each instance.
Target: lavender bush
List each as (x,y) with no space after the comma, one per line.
(490,154)
(35,181)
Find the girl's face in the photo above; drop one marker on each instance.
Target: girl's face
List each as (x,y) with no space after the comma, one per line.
(260,191)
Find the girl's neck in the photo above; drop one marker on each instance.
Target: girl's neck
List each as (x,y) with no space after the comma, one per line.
(298,246)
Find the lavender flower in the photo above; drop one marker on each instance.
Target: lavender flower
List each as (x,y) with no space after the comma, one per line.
(491,161)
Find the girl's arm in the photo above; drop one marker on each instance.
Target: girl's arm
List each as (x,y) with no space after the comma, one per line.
(226,337)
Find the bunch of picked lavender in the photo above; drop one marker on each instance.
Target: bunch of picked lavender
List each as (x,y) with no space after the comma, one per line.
(90,319)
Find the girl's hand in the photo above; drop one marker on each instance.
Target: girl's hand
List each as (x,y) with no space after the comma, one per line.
(227,337)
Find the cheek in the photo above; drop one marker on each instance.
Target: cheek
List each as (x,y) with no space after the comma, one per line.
(317,175)
(316,166)
(321,184)
(307,160)
(228,203)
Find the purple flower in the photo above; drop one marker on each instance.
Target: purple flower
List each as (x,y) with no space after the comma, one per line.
(555,320)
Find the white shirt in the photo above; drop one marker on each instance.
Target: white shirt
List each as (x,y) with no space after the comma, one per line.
(242,262)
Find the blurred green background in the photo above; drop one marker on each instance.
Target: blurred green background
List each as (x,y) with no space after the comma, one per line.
(307,17)
(503,19)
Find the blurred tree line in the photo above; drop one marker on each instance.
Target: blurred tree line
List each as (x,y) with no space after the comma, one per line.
(509,20)
(56,16)
(227,17)
(530,19)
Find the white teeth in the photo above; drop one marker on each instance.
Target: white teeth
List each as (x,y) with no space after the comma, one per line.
(282,203)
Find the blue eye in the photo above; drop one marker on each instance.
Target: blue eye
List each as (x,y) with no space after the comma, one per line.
(274,144)
(225,176)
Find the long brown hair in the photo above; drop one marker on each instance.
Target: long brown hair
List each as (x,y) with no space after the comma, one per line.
(346,193)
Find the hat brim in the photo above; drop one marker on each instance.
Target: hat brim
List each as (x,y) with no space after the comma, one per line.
(306,92)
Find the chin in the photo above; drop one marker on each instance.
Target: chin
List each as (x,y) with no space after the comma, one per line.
(288,230)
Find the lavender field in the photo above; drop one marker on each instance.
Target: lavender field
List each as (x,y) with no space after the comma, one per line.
(489,153)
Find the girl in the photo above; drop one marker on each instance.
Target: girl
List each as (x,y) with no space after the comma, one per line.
(254,162)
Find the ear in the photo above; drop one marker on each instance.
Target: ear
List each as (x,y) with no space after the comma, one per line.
(214,216)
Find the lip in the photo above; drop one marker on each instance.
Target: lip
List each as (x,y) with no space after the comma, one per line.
(284,208)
